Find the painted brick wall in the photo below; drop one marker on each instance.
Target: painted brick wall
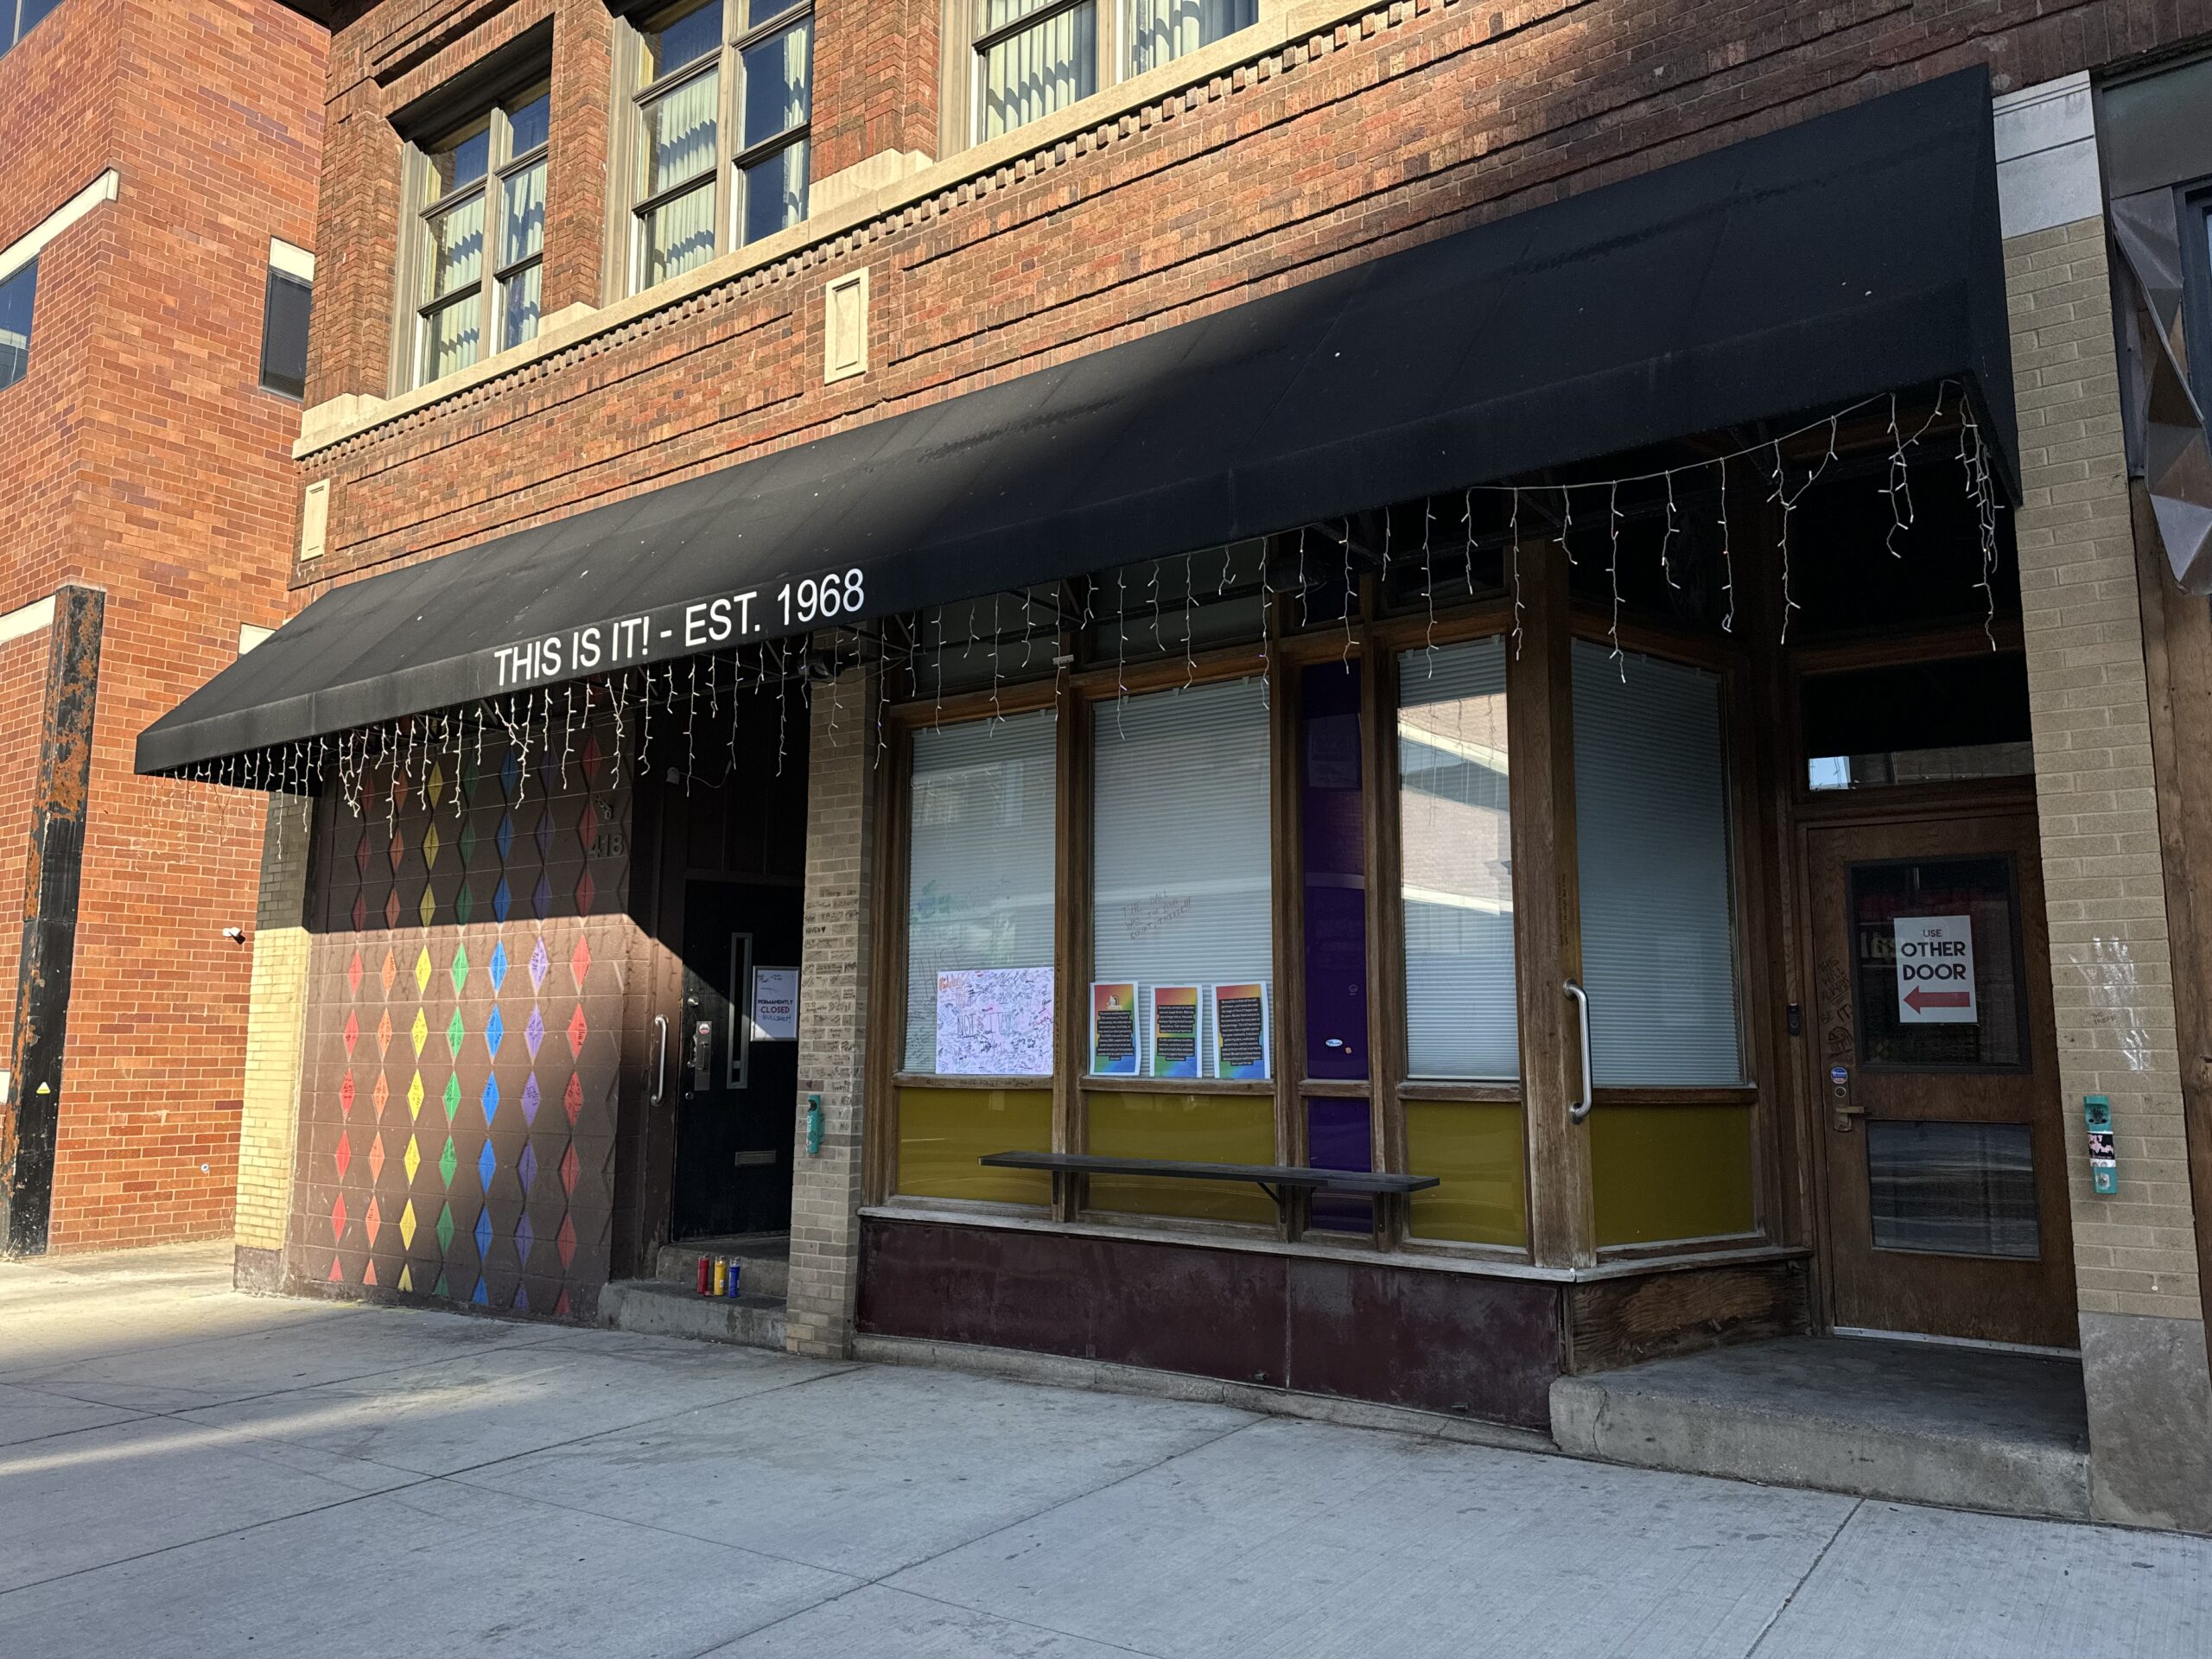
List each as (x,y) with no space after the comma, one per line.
(2112,974)
(145,460)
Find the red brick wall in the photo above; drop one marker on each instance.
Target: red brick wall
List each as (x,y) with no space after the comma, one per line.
(1410,122)
(145,460)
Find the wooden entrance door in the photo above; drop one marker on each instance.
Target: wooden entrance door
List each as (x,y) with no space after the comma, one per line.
(1937,1092)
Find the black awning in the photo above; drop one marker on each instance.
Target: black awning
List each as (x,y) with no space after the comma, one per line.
(1854,254)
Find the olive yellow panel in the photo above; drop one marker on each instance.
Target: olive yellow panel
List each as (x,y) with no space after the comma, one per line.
(1195,1129)
(944,1132)
(1661,1172)
(1478,1150)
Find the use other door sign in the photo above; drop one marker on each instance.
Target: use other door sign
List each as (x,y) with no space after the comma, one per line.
(1936,970)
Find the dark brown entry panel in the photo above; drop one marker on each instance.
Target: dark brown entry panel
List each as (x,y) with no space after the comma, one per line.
(1459,1343)
(1937,1092)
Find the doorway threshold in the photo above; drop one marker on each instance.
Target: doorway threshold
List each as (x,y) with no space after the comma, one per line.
(1972,1428)
(669,1304)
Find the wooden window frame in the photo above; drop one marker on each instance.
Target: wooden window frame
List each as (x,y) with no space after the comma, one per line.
(502,165)
(627,209)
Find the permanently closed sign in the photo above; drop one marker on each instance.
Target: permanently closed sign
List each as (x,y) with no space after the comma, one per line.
(1936,970)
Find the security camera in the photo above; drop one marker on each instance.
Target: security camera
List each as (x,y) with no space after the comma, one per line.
(235,935)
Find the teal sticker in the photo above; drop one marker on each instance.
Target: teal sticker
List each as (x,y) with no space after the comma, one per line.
(2104,1168)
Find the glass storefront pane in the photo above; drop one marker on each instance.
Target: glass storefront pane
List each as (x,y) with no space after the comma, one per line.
(1208,1129)
(1163,30)
(778,72)
(1456,851)
(1952,1189)
(773,193)
(1478,1151)
(1333,848)
(980,898)
(1181,894)
(944,1133)
(1039,70)
(1658,914)
(1662,1174)
(679,235)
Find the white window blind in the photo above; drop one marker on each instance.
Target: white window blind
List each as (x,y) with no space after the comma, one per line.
(1180,863)
(979,890)
(1456,850)
(1658,921)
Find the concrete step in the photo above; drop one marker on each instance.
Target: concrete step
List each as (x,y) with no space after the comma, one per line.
(767,1270)
(1915,1422)
(649,1308)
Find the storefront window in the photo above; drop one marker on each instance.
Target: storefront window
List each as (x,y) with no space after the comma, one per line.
(1658,918)
(1181,916)
(1455,833)
(979,900)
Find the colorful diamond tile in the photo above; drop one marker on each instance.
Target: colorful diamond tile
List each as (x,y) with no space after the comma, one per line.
(566,1240)
(452,1097)
(435,785)
(495,1032)
(526,1235)
(502,900)
(496,969)
(407,1225)
(391,908)
(539,962)
(410,1160)
(580,962)
(345,1091)
(522,1291)
(336,1277)
(448,1161)
(486,1166)
(368,1269)
(376,1157)
(533,1034)
(372,1221)
(530,1098)
(428,910)
(459,971)
(464,903)
(541,897)
(360,912)
(352,1032)
(590,756)
(380,1094)
(570,1168)
(456,1034)
(398,843)
(415,1098)
(384,1033)
(444,1230)
(390,971)
(483,1231)
(353,975)
(419,1033)
(544,833)
(526,1170)
(441,1289)
(587,890)
(588,826)
(510,775)
(399,788)
(477,1297)
(561,1305)
(361,855)
(578,1027)
(548,765)
(343,1157)
(470,778)
(467,841)
(338,1218)
(504,837)
(572,1098)
(422,970)
(489,1100)
(406,1277)
(432,844)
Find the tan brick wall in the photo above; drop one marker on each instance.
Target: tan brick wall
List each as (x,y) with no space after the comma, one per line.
(275,1033)
(833,1017)
(2135,1252)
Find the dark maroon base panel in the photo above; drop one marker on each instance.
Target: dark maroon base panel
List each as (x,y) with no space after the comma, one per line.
(1449,1342)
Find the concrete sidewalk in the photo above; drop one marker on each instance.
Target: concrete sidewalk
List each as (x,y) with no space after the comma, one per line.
(187,1472)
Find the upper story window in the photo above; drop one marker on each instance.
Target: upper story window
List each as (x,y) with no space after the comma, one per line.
(18,19)
(17,290)
(481,235)
(1033,57)
(724,93)
(288,300)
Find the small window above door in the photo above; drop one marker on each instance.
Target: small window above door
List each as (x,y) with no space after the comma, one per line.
(1934,723)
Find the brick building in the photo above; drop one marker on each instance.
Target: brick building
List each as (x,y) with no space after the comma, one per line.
(1401,704)
(154,243)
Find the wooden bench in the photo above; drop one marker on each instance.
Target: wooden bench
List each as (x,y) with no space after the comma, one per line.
(1278,1181)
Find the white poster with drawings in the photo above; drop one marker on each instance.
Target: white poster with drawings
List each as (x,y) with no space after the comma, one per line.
(995,1022)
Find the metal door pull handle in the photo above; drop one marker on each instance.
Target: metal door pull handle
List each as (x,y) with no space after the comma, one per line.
(660,1068)
(1581,1108)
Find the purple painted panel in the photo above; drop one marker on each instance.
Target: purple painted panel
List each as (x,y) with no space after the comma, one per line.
(1337,1138)
(1334,841)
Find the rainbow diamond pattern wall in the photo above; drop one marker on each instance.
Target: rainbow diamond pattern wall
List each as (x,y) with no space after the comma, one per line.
(458,1110)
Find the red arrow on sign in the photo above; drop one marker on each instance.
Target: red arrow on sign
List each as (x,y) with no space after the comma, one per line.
(1916,999)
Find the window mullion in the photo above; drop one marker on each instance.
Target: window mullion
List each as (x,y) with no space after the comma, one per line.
(725,135)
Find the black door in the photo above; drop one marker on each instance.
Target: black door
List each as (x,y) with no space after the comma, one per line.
(737,1076)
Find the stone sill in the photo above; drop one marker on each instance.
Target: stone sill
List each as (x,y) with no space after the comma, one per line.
(350,414)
